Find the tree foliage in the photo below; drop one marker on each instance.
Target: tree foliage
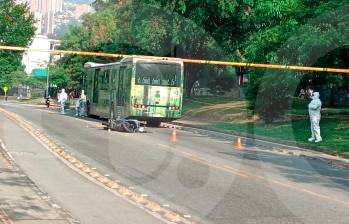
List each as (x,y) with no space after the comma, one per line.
(311,34)
(16,29)
(301,32)
(144,27)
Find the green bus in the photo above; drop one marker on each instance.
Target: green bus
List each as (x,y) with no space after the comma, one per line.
(134,88)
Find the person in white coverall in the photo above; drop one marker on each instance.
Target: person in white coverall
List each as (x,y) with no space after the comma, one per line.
(315,116)
(62,99)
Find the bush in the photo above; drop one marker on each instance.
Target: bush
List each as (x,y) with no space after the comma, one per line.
(37,95)
(299,103)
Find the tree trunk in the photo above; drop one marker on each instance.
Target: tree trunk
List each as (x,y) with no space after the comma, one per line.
(191,75)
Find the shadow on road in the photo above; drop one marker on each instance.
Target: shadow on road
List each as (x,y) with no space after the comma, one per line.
(299,169)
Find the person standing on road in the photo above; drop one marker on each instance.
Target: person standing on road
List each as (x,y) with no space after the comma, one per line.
(83,103)
(78,107)
(315,116)
(62,99)
(80,104)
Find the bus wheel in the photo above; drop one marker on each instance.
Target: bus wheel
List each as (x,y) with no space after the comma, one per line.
(154,123)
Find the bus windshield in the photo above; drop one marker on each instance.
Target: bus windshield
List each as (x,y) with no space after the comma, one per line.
(158,74)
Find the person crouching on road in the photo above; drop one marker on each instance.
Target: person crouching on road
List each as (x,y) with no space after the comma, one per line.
(62,99)
(315,116)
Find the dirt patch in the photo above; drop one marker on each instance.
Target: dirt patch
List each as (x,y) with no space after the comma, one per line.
(220,111)
(249,120)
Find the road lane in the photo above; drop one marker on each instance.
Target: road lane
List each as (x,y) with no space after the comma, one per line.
(86,201)
(200,176)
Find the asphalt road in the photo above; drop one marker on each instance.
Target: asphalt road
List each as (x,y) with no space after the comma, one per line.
(205,177)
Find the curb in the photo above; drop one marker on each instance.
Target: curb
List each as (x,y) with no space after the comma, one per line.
(250,139)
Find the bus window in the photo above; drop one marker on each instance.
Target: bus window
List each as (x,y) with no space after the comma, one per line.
(104,80)
(158,74)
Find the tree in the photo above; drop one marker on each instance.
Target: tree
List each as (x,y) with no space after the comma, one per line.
(16,29)
(95,34)
(241,30)
(34,82)
(299,32)
(61,77)
(144,27)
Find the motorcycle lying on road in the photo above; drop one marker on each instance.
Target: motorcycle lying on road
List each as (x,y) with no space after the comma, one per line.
(124,125)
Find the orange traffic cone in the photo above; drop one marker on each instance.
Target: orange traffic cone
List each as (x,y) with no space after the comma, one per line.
(174,135)
(238,144)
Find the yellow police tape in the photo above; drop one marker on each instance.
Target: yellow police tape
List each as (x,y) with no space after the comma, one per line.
(192,61)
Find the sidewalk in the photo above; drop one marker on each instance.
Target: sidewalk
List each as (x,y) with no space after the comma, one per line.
(21,201)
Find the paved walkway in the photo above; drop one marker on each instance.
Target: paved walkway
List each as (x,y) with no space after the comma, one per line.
(21,201)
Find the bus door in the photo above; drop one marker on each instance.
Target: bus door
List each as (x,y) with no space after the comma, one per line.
(113,90)
(120,90)
(104,94)
(120,99)
(95,92)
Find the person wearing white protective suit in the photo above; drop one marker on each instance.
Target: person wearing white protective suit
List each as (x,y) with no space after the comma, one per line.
(315,116)
(63,97)
(81,102)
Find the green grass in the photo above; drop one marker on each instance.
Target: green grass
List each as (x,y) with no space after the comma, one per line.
(36,101)
(214,108)
(335,132)
(228,114)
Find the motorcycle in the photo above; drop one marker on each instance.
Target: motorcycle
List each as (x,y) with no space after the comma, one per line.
(48,102)
(126,125)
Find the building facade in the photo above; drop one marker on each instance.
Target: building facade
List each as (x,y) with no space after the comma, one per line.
(34,59)
(44,6)
(48,9)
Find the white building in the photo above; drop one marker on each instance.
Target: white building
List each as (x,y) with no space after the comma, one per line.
(35,59)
